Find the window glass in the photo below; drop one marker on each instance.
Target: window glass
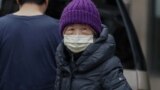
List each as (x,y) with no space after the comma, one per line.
(112,18)
(157,36)
(154,39)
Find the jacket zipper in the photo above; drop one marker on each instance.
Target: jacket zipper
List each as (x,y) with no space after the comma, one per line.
(72,61)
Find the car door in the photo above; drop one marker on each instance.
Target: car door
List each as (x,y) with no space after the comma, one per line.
(115,16)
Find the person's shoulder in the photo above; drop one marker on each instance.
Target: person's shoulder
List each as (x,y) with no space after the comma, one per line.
(7,20)
(114,60)
(52,23)
(111,63)
(4,20)
(51,19)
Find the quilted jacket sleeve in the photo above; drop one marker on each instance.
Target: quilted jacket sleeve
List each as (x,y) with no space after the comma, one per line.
(112,77)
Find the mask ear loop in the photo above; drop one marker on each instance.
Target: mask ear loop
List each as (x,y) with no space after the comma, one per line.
(95,35)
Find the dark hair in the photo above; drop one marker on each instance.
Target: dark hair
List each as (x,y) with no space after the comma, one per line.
(8,6)
(39,2)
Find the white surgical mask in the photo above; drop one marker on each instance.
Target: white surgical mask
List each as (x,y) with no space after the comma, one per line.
(77,43)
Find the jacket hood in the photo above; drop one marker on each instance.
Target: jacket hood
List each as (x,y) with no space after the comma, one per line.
(95,54)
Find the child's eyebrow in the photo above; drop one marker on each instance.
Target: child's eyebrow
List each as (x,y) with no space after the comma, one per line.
(71,27)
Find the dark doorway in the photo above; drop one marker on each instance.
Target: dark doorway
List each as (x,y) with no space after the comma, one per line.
(154,38)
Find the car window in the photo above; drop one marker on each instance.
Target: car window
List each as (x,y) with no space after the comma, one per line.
(115,15)
(112,18)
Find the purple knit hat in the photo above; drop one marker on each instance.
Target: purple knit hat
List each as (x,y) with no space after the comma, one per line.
(81,12)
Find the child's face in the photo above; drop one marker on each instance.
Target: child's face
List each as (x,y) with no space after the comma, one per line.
(78,29)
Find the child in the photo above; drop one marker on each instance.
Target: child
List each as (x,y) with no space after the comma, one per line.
(85,58)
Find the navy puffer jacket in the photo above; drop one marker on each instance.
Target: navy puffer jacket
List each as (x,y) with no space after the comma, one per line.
(96,68)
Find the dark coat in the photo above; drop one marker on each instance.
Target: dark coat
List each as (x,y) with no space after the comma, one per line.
(96,69)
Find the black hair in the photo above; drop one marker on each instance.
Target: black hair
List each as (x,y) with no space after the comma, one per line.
(8,6)
(39,2)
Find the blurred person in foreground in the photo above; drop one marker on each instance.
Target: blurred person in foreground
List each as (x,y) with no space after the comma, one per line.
(28,41)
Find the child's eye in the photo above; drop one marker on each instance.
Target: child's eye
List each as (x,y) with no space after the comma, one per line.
(70,29)
(84,28)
